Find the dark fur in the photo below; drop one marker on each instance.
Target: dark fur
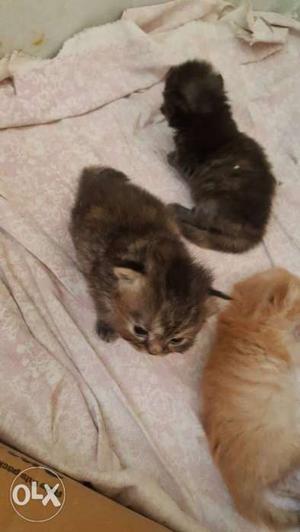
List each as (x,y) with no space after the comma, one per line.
(138,270)
(230,178)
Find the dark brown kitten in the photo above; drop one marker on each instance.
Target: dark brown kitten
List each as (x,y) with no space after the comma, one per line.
(145,286)
(230,178)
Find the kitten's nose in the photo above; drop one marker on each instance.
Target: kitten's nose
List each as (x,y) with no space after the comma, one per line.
(155,348)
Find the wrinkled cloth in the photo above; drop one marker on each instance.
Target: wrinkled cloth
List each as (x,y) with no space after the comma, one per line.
(262,27)
(123,420)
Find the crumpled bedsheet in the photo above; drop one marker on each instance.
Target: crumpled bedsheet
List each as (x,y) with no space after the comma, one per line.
(123,420)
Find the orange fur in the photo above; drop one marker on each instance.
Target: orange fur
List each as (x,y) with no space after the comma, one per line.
(251,396)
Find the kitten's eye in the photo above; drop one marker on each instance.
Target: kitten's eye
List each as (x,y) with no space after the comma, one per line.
(140,331)
(176,341)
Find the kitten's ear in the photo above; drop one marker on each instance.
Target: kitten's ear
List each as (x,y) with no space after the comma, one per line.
(281,288)
(128,279)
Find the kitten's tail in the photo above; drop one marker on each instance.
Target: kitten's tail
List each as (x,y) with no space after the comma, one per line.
(217,241)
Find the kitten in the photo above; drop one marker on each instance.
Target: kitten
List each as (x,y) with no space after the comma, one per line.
(230,178)
(251,397)
(145,285)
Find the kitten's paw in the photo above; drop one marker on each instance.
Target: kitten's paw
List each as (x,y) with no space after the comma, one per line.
(172,159)
(106,332)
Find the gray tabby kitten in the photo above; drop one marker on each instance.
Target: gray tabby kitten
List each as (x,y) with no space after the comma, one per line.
(146,287)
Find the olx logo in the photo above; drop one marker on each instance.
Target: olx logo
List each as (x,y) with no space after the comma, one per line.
(34,500)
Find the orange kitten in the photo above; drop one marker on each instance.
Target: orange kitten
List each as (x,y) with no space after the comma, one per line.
(251,397)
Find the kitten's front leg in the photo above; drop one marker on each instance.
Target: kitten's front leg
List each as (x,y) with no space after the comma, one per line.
(106,331)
